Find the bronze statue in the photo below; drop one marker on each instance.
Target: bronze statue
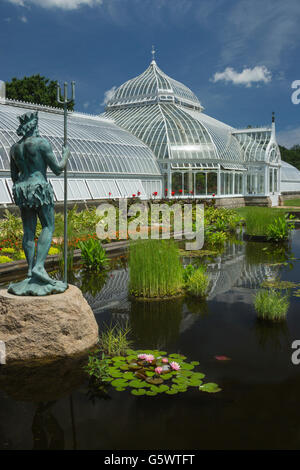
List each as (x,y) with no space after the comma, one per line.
(29,159)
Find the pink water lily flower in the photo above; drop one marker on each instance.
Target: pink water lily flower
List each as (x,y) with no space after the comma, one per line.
(158,370)
(142,356)
(149,357)
(165,360)
(175,365)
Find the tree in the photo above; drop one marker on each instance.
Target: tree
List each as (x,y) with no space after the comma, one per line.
(35,89)
(291,155)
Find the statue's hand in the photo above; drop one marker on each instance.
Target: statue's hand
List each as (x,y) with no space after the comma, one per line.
(66,152)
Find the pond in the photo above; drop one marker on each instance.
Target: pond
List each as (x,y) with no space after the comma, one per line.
(258,408)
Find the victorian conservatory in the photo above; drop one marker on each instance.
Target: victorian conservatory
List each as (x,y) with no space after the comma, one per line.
(154,138)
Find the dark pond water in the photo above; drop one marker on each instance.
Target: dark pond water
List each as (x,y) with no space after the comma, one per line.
(258,408)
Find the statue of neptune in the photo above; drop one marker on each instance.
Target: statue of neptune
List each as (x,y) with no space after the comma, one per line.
(29,159)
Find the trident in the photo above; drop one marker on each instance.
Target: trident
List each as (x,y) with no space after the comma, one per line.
(65,102)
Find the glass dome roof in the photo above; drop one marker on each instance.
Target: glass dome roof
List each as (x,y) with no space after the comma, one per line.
(151,86)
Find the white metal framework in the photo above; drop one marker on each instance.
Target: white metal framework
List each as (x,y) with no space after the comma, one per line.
(197,154)
(153,138)
(100,151)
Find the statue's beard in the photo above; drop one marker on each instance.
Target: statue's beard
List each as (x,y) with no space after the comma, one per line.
(28,128)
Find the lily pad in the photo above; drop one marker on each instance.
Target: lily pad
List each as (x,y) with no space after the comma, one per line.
(138,392)
(154,381)
(136,384)
(119,383)
(210,387)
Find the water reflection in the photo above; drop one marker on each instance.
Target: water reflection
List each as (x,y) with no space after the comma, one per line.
(156,324)
(272,336)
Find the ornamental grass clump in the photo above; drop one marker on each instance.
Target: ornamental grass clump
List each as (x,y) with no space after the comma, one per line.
(258,219)
(114,340)
(155,269)
(198,283)
(271,304)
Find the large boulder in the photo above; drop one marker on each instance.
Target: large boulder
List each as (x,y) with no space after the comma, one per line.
(46,328)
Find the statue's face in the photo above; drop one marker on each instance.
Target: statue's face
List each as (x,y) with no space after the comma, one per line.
(25,129)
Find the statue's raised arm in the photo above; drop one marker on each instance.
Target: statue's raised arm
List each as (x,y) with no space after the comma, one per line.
(48,154)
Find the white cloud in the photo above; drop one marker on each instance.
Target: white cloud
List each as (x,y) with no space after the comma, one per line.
(63,4)
(246,77)
(289,137)
(23,19)
(86,104)
(108,95)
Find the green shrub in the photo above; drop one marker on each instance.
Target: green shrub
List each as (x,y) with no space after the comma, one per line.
(155,268)
(215,239)
(93,254)
(198,282)
(271,304)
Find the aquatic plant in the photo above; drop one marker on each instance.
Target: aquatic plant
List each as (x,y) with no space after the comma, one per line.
(258,219)
(93,254)
(280,228)
(198,282)
(271,304)
(114,339)
(215,239)
(133,372)
(155,269)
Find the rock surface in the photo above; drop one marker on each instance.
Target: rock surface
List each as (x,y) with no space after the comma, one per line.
(46,328)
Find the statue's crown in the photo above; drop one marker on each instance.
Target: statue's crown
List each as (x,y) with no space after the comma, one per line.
(28,117)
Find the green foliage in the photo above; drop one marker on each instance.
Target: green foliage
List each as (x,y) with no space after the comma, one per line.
(140,377)
(34,89)
(215,239)
(155,269)
(114,340)
(222,219)
(271,304)
(5,259)
(258,219)
(280,228)
(291,156)
(198,283)
(93,254)
(11,227)
(188,272)
(292,202)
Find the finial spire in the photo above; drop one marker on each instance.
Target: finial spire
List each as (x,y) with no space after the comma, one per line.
(273,116)
(153,54)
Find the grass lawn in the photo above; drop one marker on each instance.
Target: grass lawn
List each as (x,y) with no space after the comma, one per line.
(292,202)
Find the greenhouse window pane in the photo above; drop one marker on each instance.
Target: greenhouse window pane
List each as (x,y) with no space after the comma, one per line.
(100,188)
(4,194)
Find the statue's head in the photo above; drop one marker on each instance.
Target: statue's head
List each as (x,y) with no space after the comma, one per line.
(28,124)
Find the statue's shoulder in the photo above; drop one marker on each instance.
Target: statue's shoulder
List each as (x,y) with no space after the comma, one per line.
(43,143)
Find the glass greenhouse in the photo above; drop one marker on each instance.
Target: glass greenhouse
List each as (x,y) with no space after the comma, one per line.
(105,161)
(197,154)
(154,137)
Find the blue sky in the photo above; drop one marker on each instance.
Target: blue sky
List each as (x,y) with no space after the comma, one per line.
(239,57)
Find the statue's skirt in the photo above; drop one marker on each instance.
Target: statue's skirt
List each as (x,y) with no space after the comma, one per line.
(33,195)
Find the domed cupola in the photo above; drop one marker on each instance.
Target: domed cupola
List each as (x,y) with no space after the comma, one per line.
(153,86)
